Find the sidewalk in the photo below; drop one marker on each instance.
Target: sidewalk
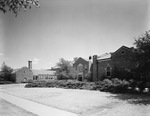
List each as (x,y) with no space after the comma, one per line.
(36,108)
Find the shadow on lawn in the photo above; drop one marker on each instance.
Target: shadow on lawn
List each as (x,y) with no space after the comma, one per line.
(140,99)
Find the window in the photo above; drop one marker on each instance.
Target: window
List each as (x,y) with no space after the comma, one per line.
(108,71)
(80,68)
(85,67)
(122,52)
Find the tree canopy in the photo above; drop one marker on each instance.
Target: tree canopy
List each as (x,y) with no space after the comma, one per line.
(16,5)
(5,72)
(66,69)
(143,54)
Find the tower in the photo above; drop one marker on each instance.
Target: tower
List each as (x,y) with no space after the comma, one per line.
(95,68)
(30,65)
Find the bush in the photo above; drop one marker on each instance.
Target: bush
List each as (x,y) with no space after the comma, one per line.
(120,86)
(6,82)
(114,85)
(30,81)
(88,76)
(70,84)
(121,73)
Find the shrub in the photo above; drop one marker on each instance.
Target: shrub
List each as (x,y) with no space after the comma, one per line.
(6,82)
(115,85)
(30,81)
(120,86)
(121,73)
(88,76)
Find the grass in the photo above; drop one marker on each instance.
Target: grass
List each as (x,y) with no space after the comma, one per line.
(72,100)
(8,109)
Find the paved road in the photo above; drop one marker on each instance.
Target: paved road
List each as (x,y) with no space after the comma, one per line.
(36,108)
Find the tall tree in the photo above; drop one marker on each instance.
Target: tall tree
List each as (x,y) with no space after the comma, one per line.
(66,69)
(5,72)
(143,55)
(16,5)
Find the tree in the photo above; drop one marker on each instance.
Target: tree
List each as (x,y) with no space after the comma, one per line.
(66,70)
(75,59)
(143,55)
(16,5)
(5,73)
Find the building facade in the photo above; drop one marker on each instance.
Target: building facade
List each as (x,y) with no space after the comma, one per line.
(23,74)
(121,59)
(103,65)
(44,75)
(82,67)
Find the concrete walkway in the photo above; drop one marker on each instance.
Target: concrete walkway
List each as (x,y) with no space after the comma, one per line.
(36,108)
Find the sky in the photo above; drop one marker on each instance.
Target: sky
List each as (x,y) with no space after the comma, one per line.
(70,28)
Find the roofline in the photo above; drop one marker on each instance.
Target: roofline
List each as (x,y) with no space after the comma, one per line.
(121,48)
(106,59)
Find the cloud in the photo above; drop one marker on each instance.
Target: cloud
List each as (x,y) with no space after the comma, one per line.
(36,61)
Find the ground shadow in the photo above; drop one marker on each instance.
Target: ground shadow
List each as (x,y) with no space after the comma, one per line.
(141,99)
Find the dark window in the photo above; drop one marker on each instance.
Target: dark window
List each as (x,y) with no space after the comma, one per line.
(85,67)
(108,69)
(122,52)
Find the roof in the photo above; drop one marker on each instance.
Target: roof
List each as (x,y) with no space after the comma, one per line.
(17,69)
(104,56)
(123,47)
(108,55)
(45,72)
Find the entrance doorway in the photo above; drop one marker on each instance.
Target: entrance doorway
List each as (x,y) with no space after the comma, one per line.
(80,77)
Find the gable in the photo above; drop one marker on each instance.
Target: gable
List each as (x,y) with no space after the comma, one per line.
(80,61)
(122,53)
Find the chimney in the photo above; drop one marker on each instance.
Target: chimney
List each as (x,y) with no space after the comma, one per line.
(95,68)
(30,65)
(90,63)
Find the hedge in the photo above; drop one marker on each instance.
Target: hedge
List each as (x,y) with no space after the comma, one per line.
(114,85)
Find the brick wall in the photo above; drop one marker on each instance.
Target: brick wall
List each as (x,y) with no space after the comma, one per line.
(85,66)
(122,58)
(22,74)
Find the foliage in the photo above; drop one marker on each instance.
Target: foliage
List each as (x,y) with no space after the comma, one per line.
(6,82)
(66,70)
(115,85)
(143,56)
(60,84)
(88,76)
(5,73)
(16,5)
(121,73)
(75,59)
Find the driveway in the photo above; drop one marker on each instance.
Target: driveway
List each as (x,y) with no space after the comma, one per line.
(83,102)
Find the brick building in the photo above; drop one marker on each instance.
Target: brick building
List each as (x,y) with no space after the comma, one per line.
(102,66)
(82,67)
(22,75)
(25,74)
(120,59)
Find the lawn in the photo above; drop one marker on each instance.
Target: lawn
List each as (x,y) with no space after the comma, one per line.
(84,102)
(72,100)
